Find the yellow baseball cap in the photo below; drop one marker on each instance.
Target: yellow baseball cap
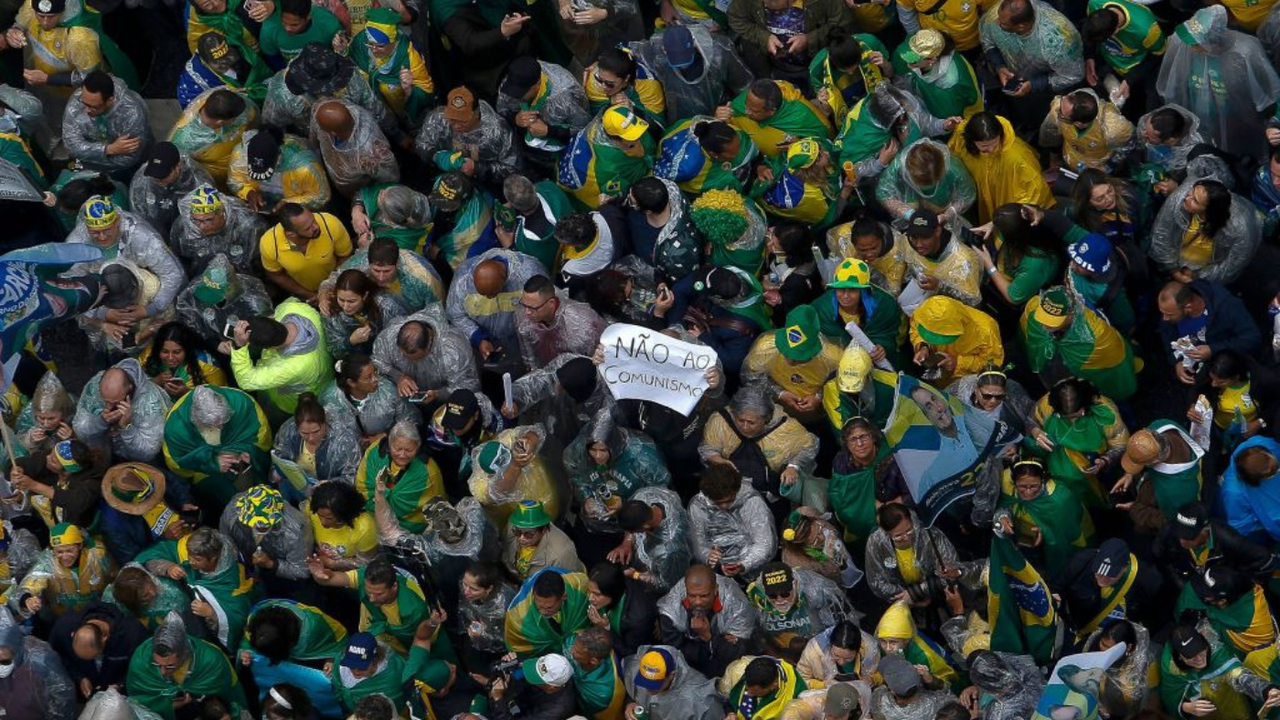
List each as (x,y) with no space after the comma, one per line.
(621,122)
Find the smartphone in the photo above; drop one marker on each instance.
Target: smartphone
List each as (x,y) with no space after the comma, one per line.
(934,360)
(129,340)
(229,330)
(418,397)
(1013,85)
(969,237)
(1125,496)
(664,293)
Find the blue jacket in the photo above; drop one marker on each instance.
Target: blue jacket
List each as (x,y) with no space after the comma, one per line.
(1252,511)
(1230,327)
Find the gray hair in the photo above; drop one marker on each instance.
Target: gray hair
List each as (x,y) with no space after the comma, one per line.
(205,542)
(597,641)
(404,207)
(405,429)
(208,408)
(752,400)
(520,193)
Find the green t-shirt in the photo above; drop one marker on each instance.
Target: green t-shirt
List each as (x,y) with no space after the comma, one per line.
(275,42)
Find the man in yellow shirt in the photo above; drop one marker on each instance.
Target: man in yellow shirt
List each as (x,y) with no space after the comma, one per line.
(302,250)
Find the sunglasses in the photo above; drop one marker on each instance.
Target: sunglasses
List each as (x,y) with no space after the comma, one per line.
(608,84)
(778,595)
(992,396)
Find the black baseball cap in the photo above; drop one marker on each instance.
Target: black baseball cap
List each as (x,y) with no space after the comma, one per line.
(161,161)
(1112,558)
(922,224)
(459,410)
(263,153)
(1190,520)
(523,73)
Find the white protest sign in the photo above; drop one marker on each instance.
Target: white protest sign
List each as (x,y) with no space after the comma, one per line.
(644,364)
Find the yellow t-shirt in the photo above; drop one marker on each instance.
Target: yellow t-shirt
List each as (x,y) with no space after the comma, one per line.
(1249,13)
(307,460)
(312,266)
(957,19)
(523,559)
(345,542)
(1197,246)
(1233,397)
(907,565)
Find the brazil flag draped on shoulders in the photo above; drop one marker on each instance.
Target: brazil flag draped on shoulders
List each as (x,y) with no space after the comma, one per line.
(529,634)
(1020,606)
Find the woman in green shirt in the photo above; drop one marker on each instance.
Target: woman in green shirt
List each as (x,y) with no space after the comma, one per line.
(1027,258)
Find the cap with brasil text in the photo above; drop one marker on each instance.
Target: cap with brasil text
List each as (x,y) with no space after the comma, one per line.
(362,651)
(656,667)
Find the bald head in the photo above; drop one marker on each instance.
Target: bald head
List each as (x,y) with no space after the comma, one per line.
(490,277)
(115,386)
(1016,16)
(334,118)
(87,641)
(699,575)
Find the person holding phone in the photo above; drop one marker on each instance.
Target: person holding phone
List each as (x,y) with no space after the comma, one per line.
(1036,52)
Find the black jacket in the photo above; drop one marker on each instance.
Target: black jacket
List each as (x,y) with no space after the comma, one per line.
(1229,548)
(710,658)
(125,636)
(1082,598)
(1230,327)
(531,703)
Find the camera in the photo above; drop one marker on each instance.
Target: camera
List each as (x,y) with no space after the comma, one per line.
(931,588)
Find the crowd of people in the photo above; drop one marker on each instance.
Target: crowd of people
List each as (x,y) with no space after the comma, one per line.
(304,402)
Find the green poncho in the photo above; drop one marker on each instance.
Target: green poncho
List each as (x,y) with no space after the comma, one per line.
(1175,487)
(411,609)
(209,672)
(407,238)
(321,637)
(600,693)
(529,634)
(851,493)
(1064,525)
(545,248)
(882,320)
(187,453)
(861,136)
(1213,683)
(1077,445)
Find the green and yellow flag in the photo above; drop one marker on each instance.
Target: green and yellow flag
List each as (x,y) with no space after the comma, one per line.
(1019,605)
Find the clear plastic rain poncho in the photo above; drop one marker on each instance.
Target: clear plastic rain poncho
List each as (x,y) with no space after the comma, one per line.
(1226,82)
(1128,675)
(246,297)
(885,106)
(676,250)
(723,75)
(1174,160)
(823,599)
(448,365)
(933,552)
(64,588)
(28,108)
(141,440)
(743,531)
(288,542)
(534,483)
(363,159)
(227,622)
(49,397)
(564,107)
(139,243)
(373,415)
(1268,33)
(634,463)
(560,414)
(690,696)
(575,329)
(492,144)
(664,552)
(109,704)
(145,286)
(282,109)
(337,458)
(37,686)
(957,268)
(158,204)
(953,194)
(238,238)
(18,550)
(493,318)
(1050,57)
(416,286)
(211,147)
(84,136)
(736,617)
(482,623)
(1233,246)
(1012,682)
(338,326)
(453,531)
(170,597)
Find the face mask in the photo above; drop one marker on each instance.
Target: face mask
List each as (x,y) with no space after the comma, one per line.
(7,670)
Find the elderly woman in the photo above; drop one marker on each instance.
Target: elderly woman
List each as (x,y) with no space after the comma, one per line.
(273,535)
(34,685)
(218,438)
(364,401)
(1049,523)
(1205,232)
(1081,434)
(46,420)
(361,313)
(392,468)
(812,543)
(765,444)
(863,477)
(320,450)
(607,465)
(842,653)
(206,561)
(146,597)
(926,178)
(392,211)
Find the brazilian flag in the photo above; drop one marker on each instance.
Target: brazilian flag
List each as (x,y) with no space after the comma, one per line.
(1019,606)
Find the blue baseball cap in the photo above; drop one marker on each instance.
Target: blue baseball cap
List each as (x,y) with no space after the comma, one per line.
(677,41)
(362,650)
(1092,252)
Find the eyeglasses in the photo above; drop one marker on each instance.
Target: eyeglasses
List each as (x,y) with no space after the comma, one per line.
(904,535)
(527,532)
(537,307)
(165,666)
(991,396)
(860,439)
